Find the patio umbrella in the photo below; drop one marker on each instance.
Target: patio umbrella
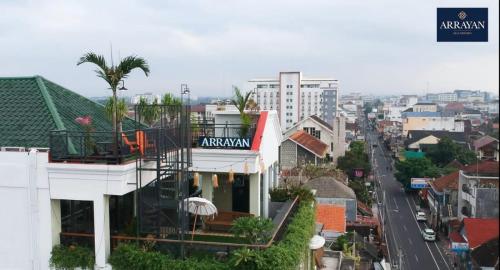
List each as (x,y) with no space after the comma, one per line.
(199,206)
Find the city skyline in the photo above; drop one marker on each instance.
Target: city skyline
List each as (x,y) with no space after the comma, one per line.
(212,47)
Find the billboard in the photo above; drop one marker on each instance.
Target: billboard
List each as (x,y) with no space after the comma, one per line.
(419,183)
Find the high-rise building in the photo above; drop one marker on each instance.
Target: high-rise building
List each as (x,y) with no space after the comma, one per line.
(296,97)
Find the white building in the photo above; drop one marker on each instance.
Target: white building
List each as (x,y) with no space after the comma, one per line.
(478,192)
(296,97)
(333,136)
(149,97)
(430,121)
(43,171)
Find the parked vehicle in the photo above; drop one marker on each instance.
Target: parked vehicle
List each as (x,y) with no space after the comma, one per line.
(420,216)
(429,235)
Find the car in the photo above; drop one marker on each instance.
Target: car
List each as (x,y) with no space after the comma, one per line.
(429,234)
(420,216)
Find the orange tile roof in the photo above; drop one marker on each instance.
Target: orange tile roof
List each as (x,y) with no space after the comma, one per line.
(332,217)
(310,143)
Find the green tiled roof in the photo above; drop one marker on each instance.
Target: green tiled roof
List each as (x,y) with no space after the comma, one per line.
(412,154)
(30,107)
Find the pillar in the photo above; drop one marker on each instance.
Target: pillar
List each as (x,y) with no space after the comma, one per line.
(101,231)
(255,194)
(206,186)
(55,221)
(265,186)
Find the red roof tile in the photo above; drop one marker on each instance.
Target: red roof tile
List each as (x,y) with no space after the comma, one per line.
(485,140)
(480,230)
(332,217)
(456,237)
(310,143)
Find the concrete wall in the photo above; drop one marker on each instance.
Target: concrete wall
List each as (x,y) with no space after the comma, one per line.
(430,123)
(487,203)
(25,229)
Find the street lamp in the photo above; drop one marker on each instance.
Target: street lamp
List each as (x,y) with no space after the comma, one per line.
(185,91)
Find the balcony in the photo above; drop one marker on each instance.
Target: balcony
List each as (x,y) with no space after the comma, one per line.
(204,240)
(99,147)
(222,136)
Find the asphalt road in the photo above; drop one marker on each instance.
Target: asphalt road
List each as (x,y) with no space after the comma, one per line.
(402,231)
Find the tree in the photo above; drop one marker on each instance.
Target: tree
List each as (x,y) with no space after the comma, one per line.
(240,100)
(355,158)
(113,75)
(446,151)
(149,112)
(415,168)
(172,104)
(121,111)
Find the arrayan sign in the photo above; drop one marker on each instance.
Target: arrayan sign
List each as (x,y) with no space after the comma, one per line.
(224,142)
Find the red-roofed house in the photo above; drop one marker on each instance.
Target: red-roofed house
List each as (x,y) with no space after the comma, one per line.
(333,219)
(443,193)
(302,148)
(478,191)
(486,147)
(473,234)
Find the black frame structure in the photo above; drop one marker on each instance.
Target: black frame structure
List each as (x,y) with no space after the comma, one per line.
(160,209)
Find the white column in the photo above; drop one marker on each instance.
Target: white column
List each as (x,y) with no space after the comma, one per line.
(55,221)
(101,231)
(206,186)
(265,186)
(255,194)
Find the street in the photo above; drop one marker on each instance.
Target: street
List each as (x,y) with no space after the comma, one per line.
(402,231)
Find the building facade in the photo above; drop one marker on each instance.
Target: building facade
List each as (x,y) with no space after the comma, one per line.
(430,121)
(296,97)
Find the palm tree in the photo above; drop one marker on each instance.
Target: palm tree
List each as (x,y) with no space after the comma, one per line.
(240,100)
(121,111)
(149,112)
(113,75)
(172,105)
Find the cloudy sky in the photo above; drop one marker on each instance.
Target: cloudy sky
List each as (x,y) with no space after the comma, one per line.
(384,46)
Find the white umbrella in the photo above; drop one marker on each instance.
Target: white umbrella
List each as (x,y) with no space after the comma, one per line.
(199,206)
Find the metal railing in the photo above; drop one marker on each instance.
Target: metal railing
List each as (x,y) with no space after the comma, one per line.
(100,147)
(281,225)
(211,130)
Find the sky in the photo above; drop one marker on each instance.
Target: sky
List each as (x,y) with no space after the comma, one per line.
(372,47)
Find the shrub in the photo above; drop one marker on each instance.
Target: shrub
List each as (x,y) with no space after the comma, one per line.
(304,194)
(279,195)
(256,230)
(286,254)
(132,257)
(72,257)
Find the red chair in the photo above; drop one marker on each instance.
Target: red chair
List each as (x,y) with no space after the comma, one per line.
(142,141)
(131,144)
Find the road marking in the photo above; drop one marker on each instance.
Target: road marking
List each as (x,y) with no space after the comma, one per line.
(416,258)
(395,203)
(409,240)
(437,247)
(404,227)
(426,244)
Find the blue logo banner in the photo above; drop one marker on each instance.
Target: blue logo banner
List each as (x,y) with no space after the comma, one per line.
(462,24)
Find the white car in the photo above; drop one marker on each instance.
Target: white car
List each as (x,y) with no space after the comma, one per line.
(420,216)
(429,235)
